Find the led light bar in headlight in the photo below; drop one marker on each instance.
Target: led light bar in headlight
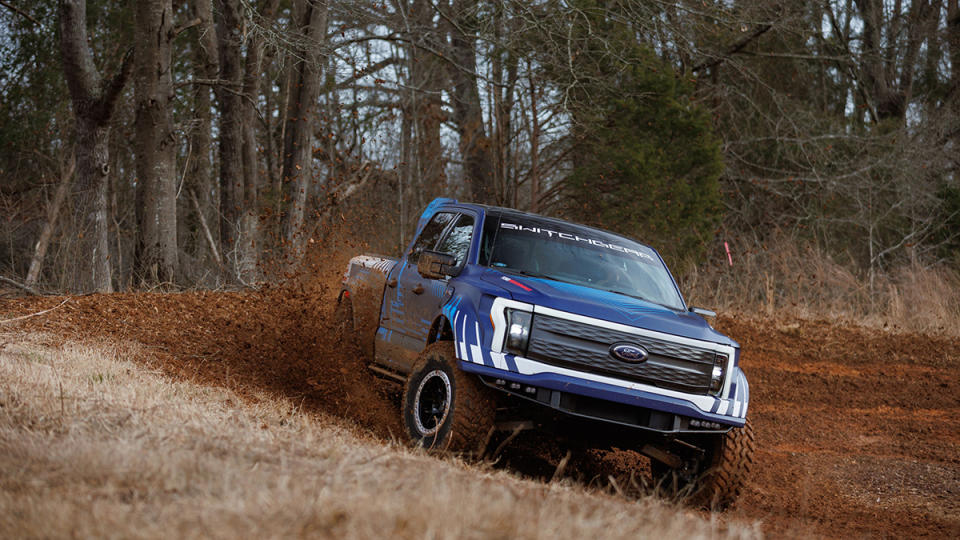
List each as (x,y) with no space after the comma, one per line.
(518,331)
(716,377)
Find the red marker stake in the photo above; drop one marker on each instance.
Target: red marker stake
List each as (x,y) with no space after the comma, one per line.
(729,258)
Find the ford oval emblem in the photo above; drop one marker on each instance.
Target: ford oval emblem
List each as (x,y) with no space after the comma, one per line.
(627,352)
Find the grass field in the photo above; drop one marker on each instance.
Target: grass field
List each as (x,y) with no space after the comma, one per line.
(94,444)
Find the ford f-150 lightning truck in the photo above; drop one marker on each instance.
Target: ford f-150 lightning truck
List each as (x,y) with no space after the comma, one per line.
(494,315)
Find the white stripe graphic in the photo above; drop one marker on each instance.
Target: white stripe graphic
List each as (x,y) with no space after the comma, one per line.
(475,348)
(724,405)
(746,394)
(463,341)
(477,354)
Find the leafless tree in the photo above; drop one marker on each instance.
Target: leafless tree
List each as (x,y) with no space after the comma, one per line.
(201,182)
(155,143)
(475,145)
(93,99)
(310,25)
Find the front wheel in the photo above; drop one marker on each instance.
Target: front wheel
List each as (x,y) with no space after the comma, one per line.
(445,409)
(716,482)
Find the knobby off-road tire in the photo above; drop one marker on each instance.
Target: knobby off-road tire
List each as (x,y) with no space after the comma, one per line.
(445,409)
(717,483)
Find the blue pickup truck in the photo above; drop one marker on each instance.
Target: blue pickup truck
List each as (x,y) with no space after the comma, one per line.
(495,316)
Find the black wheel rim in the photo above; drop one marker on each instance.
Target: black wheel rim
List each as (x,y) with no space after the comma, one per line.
(432,402)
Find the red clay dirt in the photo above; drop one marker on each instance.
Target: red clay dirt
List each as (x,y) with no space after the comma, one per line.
(856,428)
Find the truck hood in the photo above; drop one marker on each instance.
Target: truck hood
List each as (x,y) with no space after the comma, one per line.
(605,305)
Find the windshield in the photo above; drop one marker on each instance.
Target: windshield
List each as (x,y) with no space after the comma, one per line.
(551,250)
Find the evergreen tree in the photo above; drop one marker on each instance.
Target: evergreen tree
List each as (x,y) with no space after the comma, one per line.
(646,163)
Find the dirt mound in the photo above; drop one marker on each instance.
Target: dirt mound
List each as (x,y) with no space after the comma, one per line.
(855,428)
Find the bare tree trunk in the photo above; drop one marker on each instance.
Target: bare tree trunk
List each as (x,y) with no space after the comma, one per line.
(427,78)
(311,23)
(231,122)
(953,40)
(507,129)
(155,141)
(40,251)
(95,198)
(534,147)
(890,97)
(93,101)
(200,177)
(248,245)
(280,139)
(467,112)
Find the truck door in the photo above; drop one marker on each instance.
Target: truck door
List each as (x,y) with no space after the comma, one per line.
(396,342)
(424,294)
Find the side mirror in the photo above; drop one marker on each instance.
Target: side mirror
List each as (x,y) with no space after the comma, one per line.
(436,265)
(703,312)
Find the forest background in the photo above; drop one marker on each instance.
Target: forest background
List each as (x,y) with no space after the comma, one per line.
(795,156)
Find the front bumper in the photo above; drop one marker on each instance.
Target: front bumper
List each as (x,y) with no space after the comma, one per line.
(604,402)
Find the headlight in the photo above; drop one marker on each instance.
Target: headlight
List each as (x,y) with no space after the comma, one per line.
(518,331)
(716,377)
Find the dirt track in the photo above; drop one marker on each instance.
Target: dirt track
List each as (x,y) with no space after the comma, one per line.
(856,428)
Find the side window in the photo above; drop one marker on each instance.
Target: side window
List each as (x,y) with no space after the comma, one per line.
(490,225)
(429,236)
(457,241)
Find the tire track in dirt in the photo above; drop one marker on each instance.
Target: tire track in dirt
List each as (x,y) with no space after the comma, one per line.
(855,427)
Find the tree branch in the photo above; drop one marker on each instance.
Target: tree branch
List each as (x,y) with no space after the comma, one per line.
(186,26)
(115,88)
(369,70)
(22,287)
(733,49)
(208,82)
(5,321)
(20,12)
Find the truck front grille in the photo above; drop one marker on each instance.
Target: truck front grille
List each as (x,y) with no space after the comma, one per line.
(586,347)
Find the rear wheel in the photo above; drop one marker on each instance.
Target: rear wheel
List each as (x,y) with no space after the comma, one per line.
(718,479)
(445,409)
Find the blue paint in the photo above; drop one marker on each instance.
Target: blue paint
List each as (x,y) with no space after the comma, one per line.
(466,302)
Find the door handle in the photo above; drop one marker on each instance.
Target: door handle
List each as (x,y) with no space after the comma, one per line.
(392,283)
(418,289)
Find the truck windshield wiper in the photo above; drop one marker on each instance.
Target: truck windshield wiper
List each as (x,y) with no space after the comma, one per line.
(633,295)
(625,293)
(524,273)
(638,297)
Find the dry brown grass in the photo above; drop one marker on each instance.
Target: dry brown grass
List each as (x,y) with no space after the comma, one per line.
(94,445)
(792,281)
